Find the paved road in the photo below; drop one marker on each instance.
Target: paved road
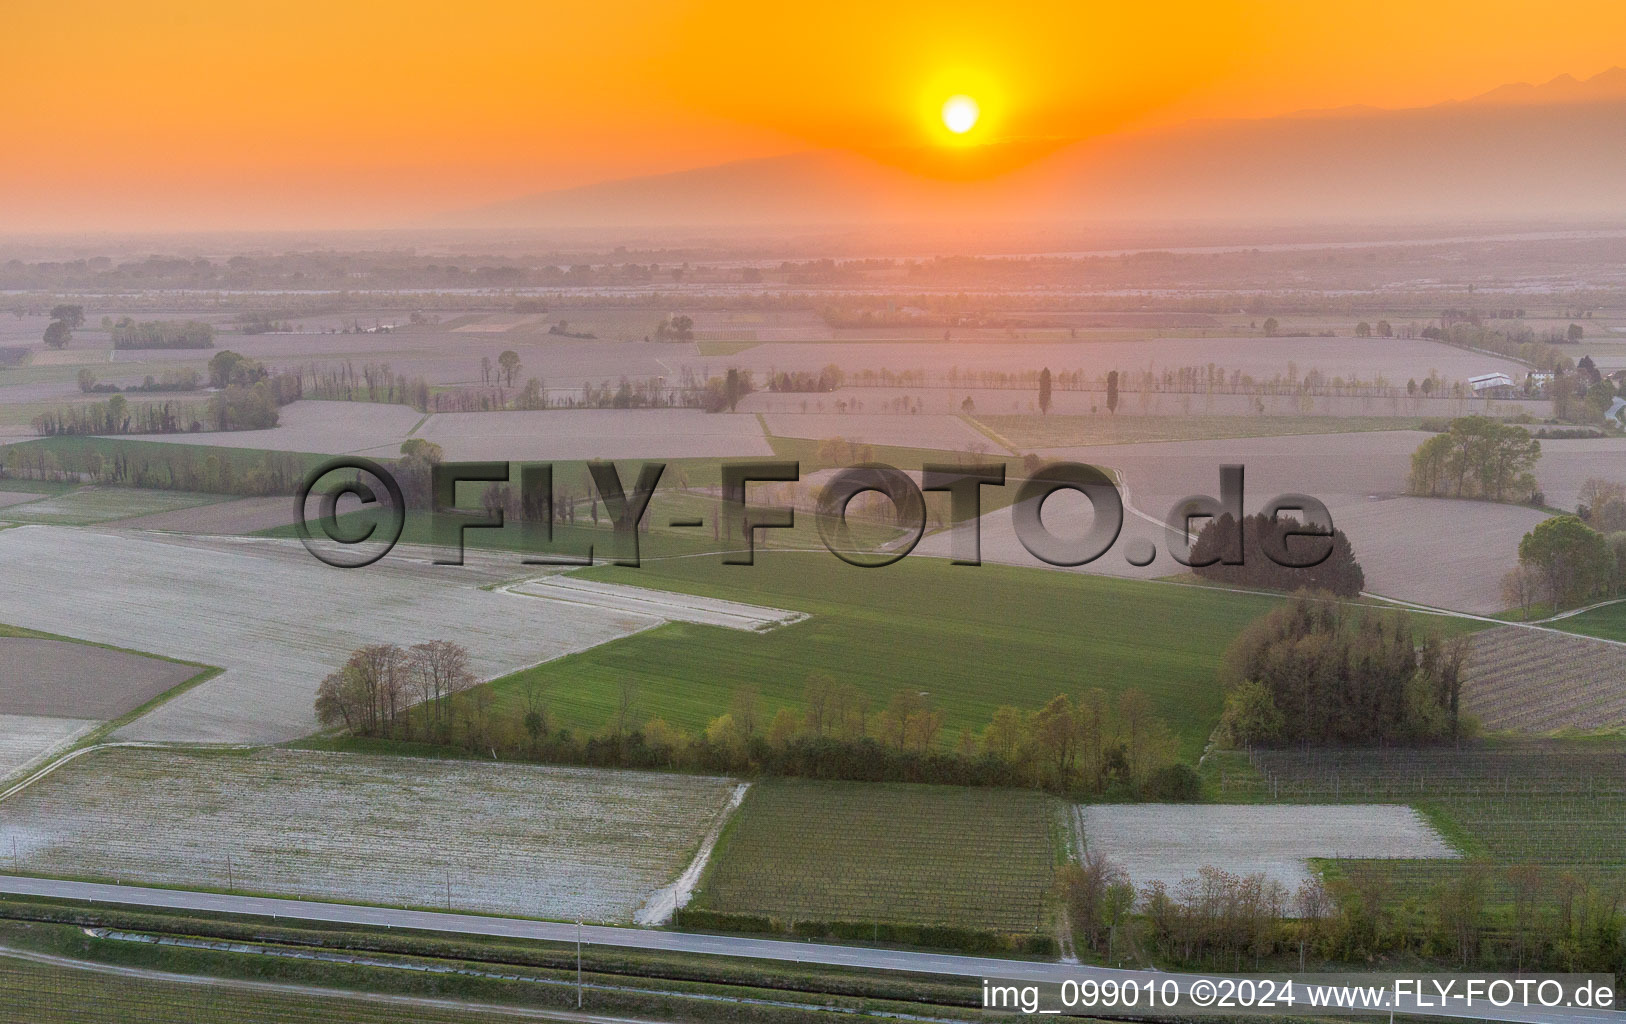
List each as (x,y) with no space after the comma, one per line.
(1024,971)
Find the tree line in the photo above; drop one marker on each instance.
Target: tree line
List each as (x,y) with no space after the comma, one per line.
(1556,920)
(130,334)
(1091,746)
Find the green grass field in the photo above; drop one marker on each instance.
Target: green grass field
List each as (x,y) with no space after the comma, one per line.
(975,638)
(1608,622)
(837,851)
(87,505)
(1063,431)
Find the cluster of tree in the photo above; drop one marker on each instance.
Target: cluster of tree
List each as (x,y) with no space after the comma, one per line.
(1603,505)
(172,380)
(1564,920)
(263,323)
(507,368)
(1564,562)
(371,693)
(675,328)
(726,391)
(227,368)
(1337,574)
(562,329)
(65,319)
(1383,330)
(1317,672)
(803,381)
(1477,457)
(129,334)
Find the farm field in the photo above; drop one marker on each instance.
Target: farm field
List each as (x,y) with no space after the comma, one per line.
(1057,431)
(1169,843)
(63,679)
(827,851)
(316,427)
(1359,476)
(1086,409)
(572,434)
(1554,804)
(42,993)
(1566,464)
(974,637)
(54,692)
(943,433)
(1537,681)
(226,601)
(508,839)
(1395,359)
(1606,623)
(84,506)
(232,516)
(27,740)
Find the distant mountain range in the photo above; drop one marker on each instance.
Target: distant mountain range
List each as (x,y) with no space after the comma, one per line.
(1518,151)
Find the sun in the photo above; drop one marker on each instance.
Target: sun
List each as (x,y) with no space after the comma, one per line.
(960,114)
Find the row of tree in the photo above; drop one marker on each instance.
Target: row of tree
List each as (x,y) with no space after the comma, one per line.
(169,467)
(235,407)
(130,334)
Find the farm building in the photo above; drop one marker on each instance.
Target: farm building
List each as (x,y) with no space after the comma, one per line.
(1492,385)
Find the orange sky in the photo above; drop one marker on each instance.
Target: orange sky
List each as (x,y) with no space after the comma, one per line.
(188,114)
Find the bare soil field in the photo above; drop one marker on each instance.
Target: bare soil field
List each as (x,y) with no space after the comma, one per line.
(568,434)
(1437,551)
(59,679)
(1171,842)
(1565,466)
(322,428)
(1539,681)
(1412,549)
(237,517)
(945,433)
(277,620)
(8,498)
(476,836)
(86,505)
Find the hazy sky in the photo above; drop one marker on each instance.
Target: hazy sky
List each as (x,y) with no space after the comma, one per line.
(199,113)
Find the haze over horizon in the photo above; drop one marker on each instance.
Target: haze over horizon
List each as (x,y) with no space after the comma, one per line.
(209,118)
